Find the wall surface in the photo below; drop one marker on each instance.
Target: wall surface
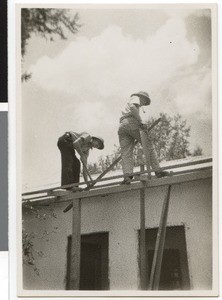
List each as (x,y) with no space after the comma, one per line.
(190,205)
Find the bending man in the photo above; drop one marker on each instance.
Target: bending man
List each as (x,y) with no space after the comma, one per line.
(68,144)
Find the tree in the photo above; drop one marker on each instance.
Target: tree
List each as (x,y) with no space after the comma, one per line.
(171,137)
(93,168)
(29,251)
(47,23)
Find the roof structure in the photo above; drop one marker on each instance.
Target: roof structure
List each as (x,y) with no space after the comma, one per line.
(184,170)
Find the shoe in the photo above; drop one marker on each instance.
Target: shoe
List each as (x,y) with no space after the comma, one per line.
(76,189)
(160,174)
(127,180)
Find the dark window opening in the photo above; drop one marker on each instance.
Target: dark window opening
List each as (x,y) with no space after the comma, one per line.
(174,269)
(93,263)
(170,278)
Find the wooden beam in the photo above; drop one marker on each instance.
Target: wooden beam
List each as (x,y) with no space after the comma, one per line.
(160,242)
(54,193)
(107,170)
(144,139)
(74,283)
(151,183)
(124,188)
(202,161)
(143,269)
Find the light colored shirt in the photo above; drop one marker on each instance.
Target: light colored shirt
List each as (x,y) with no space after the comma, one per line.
(85,141)
(130,112)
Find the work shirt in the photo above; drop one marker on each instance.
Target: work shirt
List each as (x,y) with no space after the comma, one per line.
(130,114)
(85,141)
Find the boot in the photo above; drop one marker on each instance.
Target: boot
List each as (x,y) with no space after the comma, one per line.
(127,180)
(76,189)
(160,174)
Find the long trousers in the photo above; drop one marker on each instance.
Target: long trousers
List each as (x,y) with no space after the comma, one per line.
(70,163)
(127,137)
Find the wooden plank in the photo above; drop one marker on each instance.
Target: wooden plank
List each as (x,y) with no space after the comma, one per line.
(47,200)
(142,177)
(76,246)
(59,193)
(143,269)
(135,186)
(144,139)
(106,171)
(159,247)
(162,243)
(37,198)
(192,171)
(152,183)
(187,164)
(207,160)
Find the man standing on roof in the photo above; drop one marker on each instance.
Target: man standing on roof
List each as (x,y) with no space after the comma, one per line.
(68,144)
(129,132)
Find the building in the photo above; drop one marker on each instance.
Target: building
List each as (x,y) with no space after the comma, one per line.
(110,233)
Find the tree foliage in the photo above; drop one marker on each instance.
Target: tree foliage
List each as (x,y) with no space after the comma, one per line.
(47,23)
(170,138)
(29,238)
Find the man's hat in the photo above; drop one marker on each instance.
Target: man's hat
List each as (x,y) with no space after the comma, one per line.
(100,140)
(143,94)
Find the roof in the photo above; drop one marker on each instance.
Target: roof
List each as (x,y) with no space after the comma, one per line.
(184,170)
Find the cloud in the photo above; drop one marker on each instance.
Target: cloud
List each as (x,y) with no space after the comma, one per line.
(112,65)
(184,13)
(193,94)
(86,85)
(95,76)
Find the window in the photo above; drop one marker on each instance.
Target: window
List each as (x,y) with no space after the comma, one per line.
(94,261)
(174,269)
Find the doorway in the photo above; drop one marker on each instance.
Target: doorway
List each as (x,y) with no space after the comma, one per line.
(93,263)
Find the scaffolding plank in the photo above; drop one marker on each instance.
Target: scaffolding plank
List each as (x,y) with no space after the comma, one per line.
(146,152)
(196,162)
(76,246)
(152,183)
(160,242)
(205,174)
(143,269)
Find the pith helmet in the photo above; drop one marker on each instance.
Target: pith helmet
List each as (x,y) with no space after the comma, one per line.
(101,142)
(143,94)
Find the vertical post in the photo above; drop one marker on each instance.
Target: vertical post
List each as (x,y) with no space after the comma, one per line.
(159,247)
(144,139)
(76,246)
(143,269)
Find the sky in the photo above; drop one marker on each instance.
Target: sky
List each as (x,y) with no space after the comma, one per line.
(82,83)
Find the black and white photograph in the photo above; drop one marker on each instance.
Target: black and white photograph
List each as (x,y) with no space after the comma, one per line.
(117,150)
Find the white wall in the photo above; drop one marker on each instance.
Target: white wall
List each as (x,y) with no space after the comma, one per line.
(190,204)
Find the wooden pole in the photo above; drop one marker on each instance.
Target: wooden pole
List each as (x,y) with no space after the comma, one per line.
(144,139)
(76,246)
(159,247)
(143,269)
